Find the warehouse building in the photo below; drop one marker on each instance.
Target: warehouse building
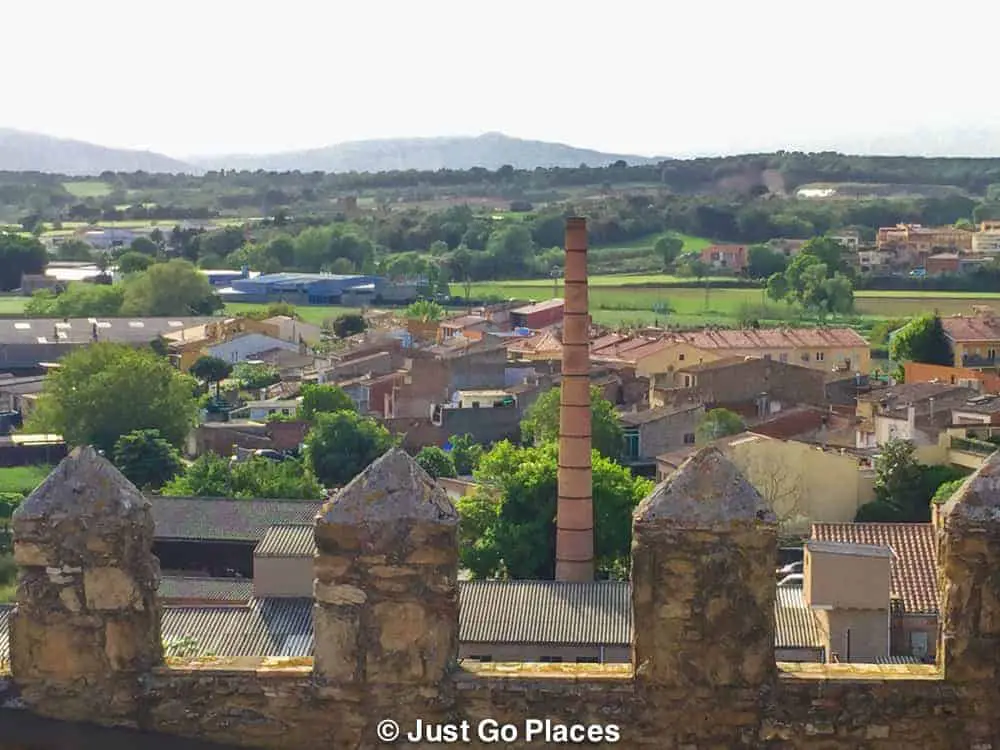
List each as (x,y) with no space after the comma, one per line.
(317,289)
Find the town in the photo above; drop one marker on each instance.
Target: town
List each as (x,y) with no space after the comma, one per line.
(483,440)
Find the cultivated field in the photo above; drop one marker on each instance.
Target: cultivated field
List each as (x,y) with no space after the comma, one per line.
(87,188)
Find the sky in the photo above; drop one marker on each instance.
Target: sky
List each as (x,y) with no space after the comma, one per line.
(667,78)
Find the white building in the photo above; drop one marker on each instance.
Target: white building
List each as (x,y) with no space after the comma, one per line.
(244,347)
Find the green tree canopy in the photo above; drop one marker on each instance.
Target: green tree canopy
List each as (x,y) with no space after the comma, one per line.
(436,461)
(254,375)
(80,300)
(18,256)
(320,399)
(348,324)
(211,370)
(341,444)
(134,262)
(541,422)
(73,249)
(466,453)
(106,390)
(668,248)
(172,288)
(922,340)
(146,459)
(508,524)
(718,423)
(425,311)
(763,262)
(212,476)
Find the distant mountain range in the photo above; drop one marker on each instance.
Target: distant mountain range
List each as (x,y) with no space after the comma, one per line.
(31,152)
(23,152)
(490,151)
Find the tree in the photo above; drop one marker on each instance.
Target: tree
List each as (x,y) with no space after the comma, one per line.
(508,524)
(922,340)
(323,399)
(172,288)
(777,287)
(144,246)
(73,249)
(253,376)
(466,454)
(436,462)
(348,324)
(340,445)
(424,311)
(19,256)
(211,370)
(212,476)
(668,248)
(541,422)
(146,459)
(106,390)
(716,424)
(133,262)
(897,476)
(763,262)
(80,300)
(693,267)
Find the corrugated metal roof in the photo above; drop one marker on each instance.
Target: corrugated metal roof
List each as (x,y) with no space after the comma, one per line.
(226,520)
(288,540)
(205,589)
(512,612)
(4,634)
(266,627)
(795,625)
(545,612)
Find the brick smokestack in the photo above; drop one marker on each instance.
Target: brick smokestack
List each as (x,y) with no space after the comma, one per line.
(575,511)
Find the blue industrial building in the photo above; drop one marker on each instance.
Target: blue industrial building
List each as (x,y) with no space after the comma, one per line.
(316,289)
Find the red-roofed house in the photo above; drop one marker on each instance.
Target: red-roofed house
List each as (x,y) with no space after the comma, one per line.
(912,593)
(730,257)
(975,339)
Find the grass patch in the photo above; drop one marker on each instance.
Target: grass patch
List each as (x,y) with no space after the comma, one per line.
(12,305)
(315,314)
(8,593)
(22,479)
(87,188)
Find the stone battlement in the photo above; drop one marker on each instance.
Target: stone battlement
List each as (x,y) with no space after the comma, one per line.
(85,641)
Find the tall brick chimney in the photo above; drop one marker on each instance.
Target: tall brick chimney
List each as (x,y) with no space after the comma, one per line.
(575,511)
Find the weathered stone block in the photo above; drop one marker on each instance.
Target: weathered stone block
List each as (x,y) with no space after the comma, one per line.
(61,652)
(338,595)
(29,555)
(111,589)
(337,635)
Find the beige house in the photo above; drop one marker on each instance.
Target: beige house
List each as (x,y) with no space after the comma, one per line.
(651,432)
(803,483)
(826,349)
(860,607)
(911,411)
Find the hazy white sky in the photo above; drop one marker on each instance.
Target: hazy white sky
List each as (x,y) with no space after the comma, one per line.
(644,77)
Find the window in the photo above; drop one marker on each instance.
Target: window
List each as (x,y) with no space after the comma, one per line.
(681,357)
(631,442)
(767,357)
(687,381)
(551,660)
(587,660)
(819,356)
(805,356)
(480,657)
(689,438)
(918,644)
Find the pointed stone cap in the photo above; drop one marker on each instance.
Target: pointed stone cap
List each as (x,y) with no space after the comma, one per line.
(706,492)
(83,484)
(979,498)
(393,487)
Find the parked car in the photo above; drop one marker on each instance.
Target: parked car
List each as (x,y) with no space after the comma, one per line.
(795,579)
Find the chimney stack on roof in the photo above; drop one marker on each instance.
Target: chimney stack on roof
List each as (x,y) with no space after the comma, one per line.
(575,510)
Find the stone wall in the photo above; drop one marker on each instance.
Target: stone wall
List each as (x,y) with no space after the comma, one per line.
(702,676)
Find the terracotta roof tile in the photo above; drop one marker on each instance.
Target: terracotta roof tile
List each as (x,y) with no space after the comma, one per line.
(914,567)
(791,424)
(965,329)
(776,338)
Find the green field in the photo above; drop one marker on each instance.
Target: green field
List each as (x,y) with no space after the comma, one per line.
(314,314)
(12,305)
(22,478)
(87,188)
